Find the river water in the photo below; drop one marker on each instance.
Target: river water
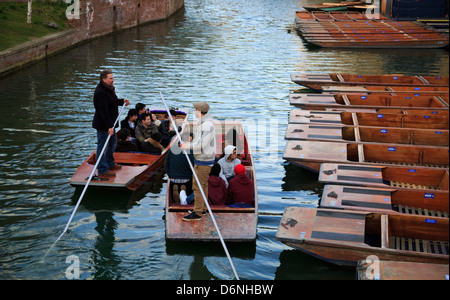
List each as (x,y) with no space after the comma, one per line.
(238,56)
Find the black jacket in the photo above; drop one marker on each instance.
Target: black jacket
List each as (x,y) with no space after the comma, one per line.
(106,112)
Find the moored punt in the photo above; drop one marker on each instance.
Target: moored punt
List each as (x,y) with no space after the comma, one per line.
(384,200)
(330,6)
(367,134)
(310,154)
(345,237)
(316,81)
(370,102)
(402,119)
(400,270)
(235,224)
(345,31)
(137,167)
(406,91)
(399,177)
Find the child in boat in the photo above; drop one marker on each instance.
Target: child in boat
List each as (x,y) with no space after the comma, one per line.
(241,191)
(123,143)
(217,190)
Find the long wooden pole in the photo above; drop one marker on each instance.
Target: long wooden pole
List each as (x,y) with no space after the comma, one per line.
(201,190)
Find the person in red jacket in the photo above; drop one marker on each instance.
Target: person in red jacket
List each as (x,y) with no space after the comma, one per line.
(241,190)
(217,189)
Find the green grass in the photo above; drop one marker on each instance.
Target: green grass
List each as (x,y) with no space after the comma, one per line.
(14,29)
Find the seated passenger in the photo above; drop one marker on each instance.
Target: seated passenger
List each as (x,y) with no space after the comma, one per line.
(153,144)
(130,122)
(217,190)
(228,162)
(123,142)
(144,130)
(178,169)
(241,191)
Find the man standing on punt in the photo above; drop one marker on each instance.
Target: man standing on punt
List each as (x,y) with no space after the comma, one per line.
(106,106)
(204,149)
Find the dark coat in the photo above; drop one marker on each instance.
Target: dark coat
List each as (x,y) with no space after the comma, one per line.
(106,108)
(177,167)
(241,190)
(217,190)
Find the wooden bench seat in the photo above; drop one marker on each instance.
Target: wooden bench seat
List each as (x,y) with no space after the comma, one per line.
(214,208)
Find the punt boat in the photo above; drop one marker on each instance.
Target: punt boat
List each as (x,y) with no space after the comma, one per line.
(236,224)
(367,134)
(333,6)
(345,237)
(406,91)
(331,30)
(368,102)
(316,81)
(402,119)
(399,177)
(370,269)
(386,200)
(137,167)
(310,154)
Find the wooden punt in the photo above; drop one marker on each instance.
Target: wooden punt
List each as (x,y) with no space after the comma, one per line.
(402,119)
(345,237)
(370,102)
(137,167)
(368,269)
(310,154)
(338,5)
(386,200)
(343,31)
(392,90)
(367,134)
(399,177)
(235,224)
(316,81)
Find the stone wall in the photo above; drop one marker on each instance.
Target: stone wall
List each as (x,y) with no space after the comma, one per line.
(95,18)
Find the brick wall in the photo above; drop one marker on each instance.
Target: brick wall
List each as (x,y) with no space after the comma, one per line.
(97,18)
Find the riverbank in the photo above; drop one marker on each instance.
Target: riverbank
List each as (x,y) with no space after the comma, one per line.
(90,20)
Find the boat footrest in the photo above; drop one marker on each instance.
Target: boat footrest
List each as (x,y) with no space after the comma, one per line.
(419,211)
(214,208)
(419,245)
(411,186)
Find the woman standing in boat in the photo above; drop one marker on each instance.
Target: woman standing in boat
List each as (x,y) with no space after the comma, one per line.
(106,106)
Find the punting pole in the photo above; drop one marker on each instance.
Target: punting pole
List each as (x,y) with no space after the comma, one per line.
(201,190)
(87,183)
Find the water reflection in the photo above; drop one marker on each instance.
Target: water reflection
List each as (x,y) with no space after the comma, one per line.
(238,56)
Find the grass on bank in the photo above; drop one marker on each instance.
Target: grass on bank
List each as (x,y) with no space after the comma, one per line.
(47,17)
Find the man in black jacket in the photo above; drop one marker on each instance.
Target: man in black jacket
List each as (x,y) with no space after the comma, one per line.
(106,106)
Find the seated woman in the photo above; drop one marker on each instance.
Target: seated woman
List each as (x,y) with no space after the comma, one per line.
(217,190)
(241,192)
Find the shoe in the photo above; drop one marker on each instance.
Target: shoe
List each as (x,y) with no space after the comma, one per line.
(183,197)
(107,174)
(192,217)
(116,167)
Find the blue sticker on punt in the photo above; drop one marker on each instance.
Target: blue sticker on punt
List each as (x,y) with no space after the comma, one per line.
(430,221)
(392,148)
